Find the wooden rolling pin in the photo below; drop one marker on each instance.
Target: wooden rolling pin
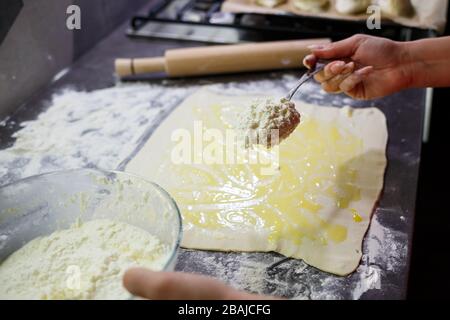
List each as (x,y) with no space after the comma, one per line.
(222,59)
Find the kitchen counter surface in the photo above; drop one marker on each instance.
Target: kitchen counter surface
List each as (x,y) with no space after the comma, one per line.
(383,272)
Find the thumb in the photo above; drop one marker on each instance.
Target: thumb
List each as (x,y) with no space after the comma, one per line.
(340,49)
(178,286)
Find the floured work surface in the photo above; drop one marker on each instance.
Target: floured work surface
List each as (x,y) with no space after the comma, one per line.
(310,198)
(101,134)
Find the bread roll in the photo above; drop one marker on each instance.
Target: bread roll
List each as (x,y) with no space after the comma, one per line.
(352,6)
(270,3)
(311,5)
(396,8)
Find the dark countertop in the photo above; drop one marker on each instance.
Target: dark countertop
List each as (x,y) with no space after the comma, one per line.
(384,268)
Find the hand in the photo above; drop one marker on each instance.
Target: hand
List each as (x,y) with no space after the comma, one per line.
(365,67)
(181,286)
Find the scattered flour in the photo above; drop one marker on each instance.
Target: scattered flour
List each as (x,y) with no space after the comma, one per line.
(86,261)
(103,128)
(85,129)
(272,274)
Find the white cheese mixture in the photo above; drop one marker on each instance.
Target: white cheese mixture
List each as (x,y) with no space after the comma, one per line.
(268,122)
(86,261)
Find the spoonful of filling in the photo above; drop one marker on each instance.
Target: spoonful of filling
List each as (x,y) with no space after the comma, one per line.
(268,122)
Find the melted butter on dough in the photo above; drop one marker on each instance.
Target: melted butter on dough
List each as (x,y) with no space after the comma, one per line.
(286,203)
(315,204)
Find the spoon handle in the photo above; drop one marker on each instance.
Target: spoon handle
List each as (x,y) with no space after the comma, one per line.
(320,65)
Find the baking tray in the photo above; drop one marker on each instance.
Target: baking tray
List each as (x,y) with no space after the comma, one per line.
(167,20)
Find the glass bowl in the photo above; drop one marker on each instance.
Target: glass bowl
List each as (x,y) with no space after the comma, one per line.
(42,204)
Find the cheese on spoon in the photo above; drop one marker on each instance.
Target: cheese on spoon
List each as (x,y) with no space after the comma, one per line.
(268,122)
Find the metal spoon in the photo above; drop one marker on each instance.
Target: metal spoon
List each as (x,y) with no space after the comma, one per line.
(320,65)
(287,124)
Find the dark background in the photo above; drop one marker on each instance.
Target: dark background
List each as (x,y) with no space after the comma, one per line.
(429,278)
(35,43)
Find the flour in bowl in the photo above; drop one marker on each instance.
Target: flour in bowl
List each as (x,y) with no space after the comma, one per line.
(86,261)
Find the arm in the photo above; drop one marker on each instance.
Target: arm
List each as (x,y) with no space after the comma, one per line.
(430,62)
(367,67)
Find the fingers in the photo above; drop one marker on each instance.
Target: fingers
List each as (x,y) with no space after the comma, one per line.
(338,76)
(354,79)
(339,49)
(332,84)
(331,70)
(178,286)
(310,61)
(338,79)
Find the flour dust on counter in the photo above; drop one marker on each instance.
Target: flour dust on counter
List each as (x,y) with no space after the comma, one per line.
(86,129)
(311,197)
(274,274)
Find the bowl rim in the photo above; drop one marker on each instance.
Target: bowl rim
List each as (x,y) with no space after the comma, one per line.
(166,194)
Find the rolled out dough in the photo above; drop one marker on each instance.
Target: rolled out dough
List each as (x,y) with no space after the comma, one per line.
(309,198)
